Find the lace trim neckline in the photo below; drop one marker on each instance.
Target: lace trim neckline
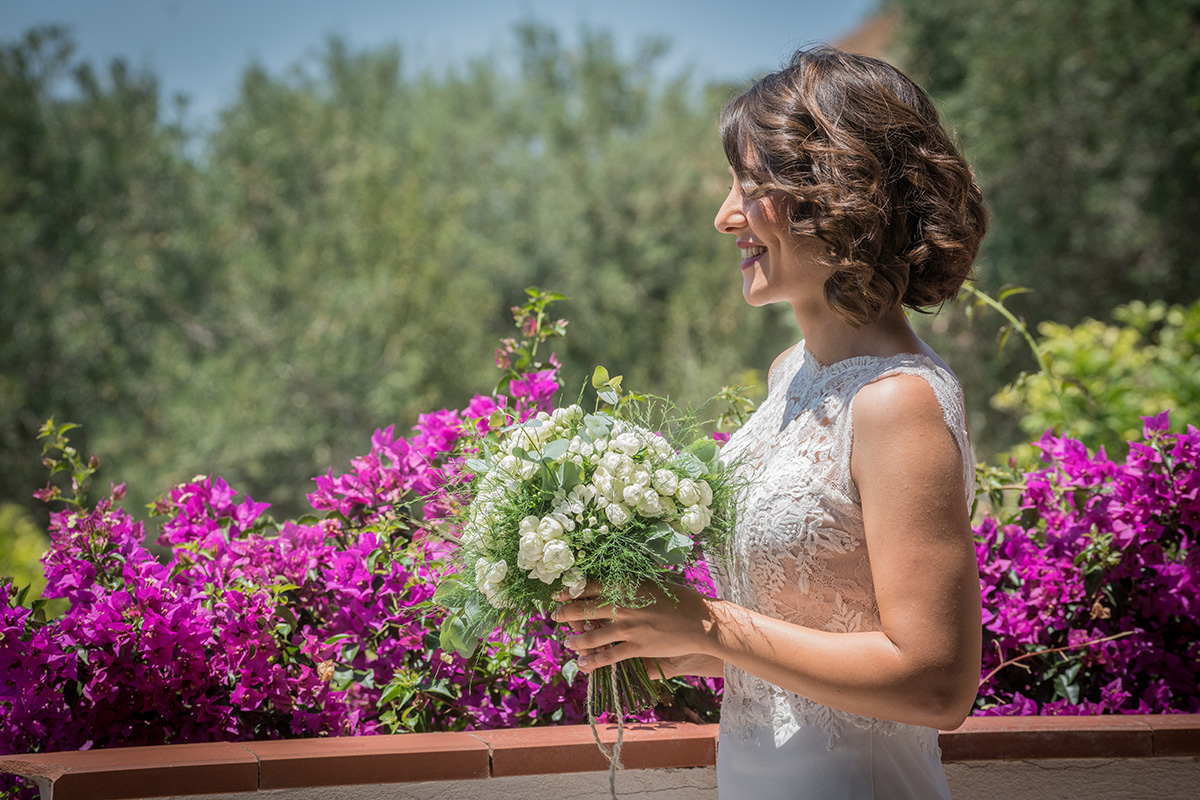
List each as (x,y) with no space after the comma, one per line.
(810,361)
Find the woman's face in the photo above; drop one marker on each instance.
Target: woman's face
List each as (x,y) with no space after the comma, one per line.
(776,265)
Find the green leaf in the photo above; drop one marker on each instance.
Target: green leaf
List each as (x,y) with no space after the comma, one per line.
(477,465)
(569,671)
(609,396)
(570,476)
(450,593)
(692,466)
(705,449)
(598,425)
(555,450)
(599,377)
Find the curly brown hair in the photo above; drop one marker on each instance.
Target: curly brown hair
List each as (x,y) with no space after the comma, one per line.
(859,154)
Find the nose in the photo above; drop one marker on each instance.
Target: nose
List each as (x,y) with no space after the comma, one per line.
(731,217)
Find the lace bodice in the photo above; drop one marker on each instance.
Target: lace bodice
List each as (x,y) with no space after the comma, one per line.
(800,552)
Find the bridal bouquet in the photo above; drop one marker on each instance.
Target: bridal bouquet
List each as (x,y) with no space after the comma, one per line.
(569,498)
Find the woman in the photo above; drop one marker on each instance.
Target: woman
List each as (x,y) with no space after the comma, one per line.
(848,629)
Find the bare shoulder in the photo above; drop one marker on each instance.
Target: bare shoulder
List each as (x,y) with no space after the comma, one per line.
(899,416)
(895,401)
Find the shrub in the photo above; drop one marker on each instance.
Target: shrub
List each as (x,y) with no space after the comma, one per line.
(1090,587)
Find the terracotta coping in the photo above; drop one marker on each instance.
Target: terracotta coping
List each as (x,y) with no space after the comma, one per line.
(138,772)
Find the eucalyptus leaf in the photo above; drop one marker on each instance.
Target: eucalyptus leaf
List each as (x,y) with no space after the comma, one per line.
(569,671)
(691,466)
(555,450)
(599,377)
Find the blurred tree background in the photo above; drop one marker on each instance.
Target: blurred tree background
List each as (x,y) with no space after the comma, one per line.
(340,251)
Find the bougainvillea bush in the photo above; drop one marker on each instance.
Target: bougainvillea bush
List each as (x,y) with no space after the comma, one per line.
(1091,589)
(252,628)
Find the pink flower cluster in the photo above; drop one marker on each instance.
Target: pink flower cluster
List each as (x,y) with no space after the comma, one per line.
(1100,550)
(252,629)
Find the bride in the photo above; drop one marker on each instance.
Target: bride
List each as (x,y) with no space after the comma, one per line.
(848,624)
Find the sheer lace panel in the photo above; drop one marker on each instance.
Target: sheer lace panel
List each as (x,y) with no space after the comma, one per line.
(800,551)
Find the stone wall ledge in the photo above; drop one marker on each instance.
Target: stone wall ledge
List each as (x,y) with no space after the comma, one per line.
(130,773)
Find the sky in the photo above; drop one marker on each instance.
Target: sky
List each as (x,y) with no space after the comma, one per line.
(200,48)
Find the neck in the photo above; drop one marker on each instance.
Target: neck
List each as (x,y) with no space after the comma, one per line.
(830,339)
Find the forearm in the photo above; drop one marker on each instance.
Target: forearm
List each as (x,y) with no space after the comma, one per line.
(864,673)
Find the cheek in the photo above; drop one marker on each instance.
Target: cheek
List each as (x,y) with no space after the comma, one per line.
(767,219)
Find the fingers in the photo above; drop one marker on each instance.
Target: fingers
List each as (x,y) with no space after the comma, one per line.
(586,610)
(605,656)
(591,636)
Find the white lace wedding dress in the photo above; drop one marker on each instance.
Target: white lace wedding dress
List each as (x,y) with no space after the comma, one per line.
(800,555)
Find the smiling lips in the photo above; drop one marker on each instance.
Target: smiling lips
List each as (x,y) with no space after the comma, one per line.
(750,253)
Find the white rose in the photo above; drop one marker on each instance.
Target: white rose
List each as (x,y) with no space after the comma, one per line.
(694,519)
(625,470)
(688,493)
(617,514)
(529,525)
(510,464)
(662,448)
(550,528)
(632,495)
(575,582)
(529,551)
(665,482)
(627,442)
(640,475)
(556,558)
(610,462)
(651,505)
(705,493)
(602,482)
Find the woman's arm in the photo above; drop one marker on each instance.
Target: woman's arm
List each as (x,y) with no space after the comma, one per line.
(923,666)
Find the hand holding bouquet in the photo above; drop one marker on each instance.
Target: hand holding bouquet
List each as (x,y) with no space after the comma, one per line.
(570,498)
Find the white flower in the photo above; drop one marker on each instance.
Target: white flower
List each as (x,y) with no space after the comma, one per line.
(488,577)
(575,582)
(529,525)
(706,496)
(651,505)
(632,495)
(617,514)
(529,553)
(627,442)
(550,527)
(640,475)
(662,448)
(665,482)
(556,558)
(688,493)
(695,519)
(610,462)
